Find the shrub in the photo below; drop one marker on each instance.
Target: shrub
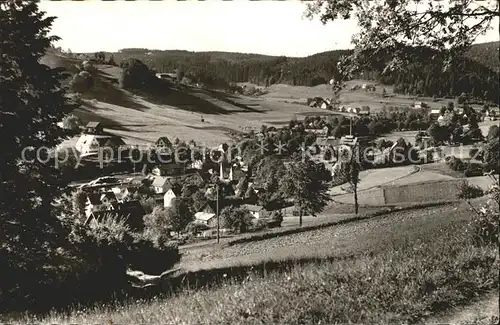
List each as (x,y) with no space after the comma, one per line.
(485,222)
(236,218)
(468,191)
(139,251)
(71,122)
(81,82)
(473,169)
(195,228)
(259,224)
(455,163)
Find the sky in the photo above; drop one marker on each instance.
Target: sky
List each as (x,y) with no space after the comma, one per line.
(265,27)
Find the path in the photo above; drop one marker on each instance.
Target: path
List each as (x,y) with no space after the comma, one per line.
(481,312)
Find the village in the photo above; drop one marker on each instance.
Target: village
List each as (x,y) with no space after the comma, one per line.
(252,162)
(121,193)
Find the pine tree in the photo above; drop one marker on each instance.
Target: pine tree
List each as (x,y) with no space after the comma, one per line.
(32,101)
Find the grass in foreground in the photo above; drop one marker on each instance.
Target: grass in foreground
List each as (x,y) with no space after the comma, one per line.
(403,283)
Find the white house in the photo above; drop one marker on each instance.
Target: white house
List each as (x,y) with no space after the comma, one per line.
(206,215)
(256,211)
(89,144)
(169,196)
(161,184)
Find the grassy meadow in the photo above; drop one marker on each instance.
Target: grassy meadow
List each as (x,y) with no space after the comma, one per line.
(402,271)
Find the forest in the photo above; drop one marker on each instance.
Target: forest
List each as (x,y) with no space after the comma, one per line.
(475,73)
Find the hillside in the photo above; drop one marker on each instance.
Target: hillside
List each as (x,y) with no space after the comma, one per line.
(474,74)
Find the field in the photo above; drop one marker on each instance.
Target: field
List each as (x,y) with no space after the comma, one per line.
(179,114)
(400,268)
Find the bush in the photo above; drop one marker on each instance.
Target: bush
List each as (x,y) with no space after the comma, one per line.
(81,82)
(468,191)
(195,228)
(485,222)
(455,163)
(71,122)
(138,250)
(473,169)
(236,218)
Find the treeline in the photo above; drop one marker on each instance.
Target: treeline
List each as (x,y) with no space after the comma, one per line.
(475,74)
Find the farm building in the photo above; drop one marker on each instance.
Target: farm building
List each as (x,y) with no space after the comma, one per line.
(206,214)
(164,143)
(90,144)
(132,212)
(99,201)
(434,114)
(94,128)
(161,184)
(257,211)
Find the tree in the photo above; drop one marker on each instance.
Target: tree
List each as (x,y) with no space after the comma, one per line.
(306,183)
(179,215)
(180,73)
(157,224)
(393,27)
(492,149)
(32,101)
(81,82)
(438,133)
(136,75)
(267,175)
(111,60)
(71,122)
(236,218)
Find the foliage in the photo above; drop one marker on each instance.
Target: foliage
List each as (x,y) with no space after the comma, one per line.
(236,218)
(195,228)
(455,163)
(179,215)
(485,222)
(268,174)
(306,183)
(157,225)
(138,76)
(332,289)
(82,82)
(468,191)
(492,149)
(71,122)
(32,101)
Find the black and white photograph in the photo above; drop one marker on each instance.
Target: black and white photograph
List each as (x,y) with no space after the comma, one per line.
(288,162)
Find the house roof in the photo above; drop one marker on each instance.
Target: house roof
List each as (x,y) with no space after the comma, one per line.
(176,190)
(204,216)
(327,141)
(253,207)
(160,181)
(135,208)
(170,166)
(94,198)
(93,124)
(134,220)
(164,141)
(108,195)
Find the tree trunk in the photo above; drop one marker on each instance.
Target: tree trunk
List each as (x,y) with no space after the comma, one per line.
(300,217)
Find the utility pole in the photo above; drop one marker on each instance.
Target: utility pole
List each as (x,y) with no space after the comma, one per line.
(217,213)
(350,125)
